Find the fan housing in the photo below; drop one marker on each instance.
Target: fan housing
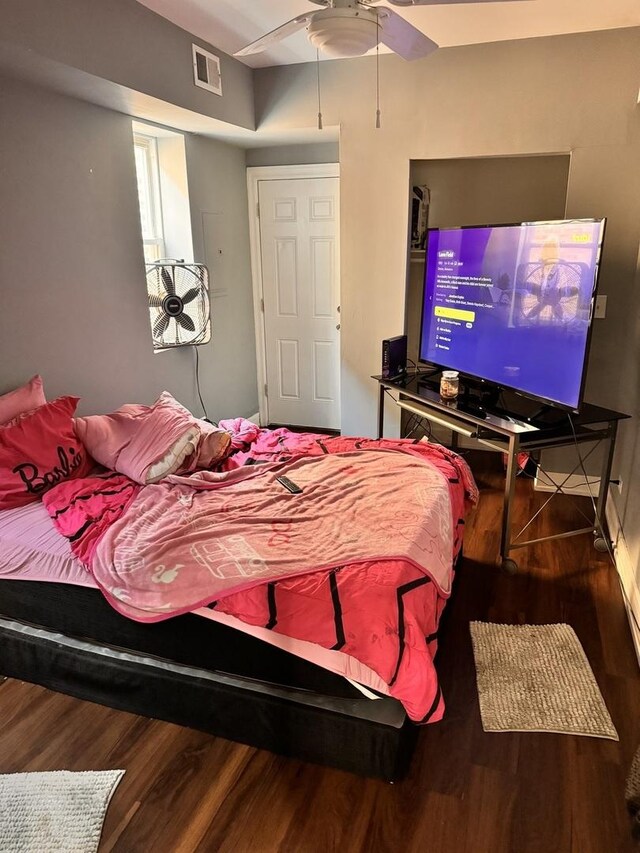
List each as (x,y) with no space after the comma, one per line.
(344,32)
(179,308)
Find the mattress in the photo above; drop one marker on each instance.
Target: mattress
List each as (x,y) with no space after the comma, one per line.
(51,588)
(32,549)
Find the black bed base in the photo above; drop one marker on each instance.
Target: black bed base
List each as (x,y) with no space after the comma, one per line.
(198,673)
(306,727)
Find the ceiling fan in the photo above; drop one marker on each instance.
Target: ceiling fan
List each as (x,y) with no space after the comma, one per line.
(345,28)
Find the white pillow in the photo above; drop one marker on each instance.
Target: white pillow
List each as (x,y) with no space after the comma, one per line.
(174,457)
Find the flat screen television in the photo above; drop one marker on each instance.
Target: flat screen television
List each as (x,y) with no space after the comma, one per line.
(512,304)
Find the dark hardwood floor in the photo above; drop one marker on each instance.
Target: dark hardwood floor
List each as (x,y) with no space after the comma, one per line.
(467,790)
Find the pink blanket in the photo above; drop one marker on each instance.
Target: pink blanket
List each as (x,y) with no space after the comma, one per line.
(360,562)
(179,547)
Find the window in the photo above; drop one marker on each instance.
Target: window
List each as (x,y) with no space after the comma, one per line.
(146,153)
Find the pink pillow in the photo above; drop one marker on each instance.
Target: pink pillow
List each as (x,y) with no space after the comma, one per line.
(38,450)
(23,399)
(147,443)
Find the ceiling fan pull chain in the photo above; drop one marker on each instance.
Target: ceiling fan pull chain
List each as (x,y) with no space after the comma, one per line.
(378,74)
(318,78)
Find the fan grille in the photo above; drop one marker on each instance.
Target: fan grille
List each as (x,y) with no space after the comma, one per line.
(178,295)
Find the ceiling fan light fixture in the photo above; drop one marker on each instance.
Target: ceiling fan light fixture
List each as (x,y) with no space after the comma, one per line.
(344,35)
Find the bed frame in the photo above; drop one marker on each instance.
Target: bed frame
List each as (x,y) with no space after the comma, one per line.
(198,673)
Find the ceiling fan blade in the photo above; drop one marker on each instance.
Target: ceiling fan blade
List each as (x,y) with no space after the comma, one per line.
(186,322)
(190,295)
(402,37)
(276,35)
(159,327)
(155,301)
(169,286)
(406,3)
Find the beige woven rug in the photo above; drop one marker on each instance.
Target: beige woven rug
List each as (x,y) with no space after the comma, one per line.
(536,678)
(56,812)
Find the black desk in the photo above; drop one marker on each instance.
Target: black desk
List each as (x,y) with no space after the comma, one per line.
(511,424)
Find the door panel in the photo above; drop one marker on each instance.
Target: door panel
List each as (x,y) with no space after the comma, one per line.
(324,356)
(286,277)
(322,276)
(288,370)
(299,247)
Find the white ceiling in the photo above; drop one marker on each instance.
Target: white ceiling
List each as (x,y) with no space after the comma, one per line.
(231,24)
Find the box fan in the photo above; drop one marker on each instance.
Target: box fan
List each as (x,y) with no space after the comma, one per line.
(178,304)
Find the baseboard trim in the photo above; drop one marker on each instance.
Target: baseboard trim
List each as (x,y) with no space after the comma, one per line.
(255,419)
(625,568)
(575,485)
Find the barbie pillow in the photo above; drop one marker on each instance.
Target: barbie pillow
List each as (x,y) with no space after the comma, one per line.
(23,399)
(38,450)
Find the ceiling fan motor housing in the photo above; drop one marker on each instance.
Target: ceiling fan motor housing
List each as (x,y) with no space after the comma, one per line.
(344,32)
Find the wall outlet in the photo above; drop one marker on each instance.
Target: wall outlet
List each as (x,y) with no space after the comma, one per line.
(600,311)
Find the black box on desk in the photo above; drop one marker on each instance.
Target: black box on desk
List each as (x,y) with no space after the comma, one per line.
(394,356)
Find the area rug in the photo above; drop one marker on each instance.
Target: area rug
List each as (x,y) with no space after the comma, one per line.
(536,678)
(57,812)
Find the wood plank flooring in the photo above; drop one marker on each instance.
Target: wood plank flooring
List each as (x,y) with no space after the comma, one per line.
(467,790)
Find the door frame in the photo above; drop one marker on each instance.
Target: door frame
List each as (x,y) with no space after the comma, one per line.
(255,174)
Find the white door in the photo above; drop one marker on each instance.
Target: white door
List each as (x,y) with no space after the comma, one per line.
(299,250)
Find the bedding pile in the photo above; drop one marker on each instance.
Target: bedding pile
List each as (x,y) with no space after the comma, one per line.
(359,562)
(186,516)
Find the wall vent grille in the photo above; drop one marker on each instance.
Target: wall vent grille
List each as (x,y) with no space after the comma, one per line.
(206,70)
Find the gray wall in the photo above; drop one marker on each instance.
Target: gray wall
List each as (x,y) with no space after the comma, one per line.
(294,155)
(72,271)
(123,42)
(220,222)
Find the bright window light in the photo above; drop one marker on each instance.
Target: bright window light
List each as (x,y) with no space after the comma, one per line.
(146,154)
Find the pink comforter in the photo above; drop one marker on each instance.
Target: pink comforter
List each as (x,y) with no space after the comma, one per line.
(360,562)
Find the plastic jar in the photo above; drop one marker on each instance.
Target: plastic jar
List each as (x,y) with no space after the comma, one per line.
(449,384)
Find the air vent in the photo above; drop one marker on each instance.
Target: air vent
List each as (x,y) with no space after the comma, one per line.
(206,70)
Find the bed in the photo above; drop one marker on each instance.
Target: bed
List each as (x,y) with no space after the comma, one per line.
(274,664)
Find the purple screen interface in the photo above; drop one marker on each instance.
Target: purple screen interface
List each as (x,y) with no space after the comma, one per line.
(512,304)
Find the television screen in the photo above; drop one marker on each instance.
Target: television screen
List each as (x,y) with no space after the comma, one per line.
(512,304)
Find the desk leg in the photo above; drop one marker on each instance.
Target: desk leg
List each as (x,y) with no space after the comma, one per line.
(605,475)
(509,488)
(381,411)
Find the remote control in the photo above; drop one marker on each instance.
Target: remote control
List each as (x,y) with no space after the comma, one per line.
(290,485)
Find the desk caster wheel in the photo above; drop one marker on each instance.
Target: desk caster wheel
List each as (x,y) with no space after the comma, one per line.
(601,544)
(509,566)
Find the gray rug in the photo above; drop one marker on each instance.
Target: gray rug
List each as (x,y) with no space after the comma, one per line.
(58,812)
(536,678)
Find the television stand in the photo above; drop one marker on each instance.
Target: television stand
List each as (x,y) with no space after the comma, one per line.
(547,416)
(480,397)
(517,425)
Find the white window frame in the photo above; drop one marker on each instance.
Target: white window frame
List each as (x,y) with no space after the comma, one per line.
(154,244)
